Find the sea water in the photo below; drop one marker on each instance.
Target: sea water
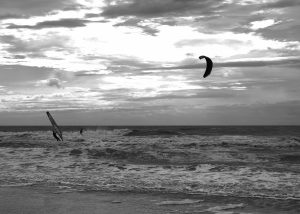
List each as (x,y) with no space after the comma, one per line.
(258,162)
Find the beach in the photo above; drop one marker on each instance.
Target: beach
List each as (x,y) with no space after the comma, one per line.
(32,200)
(150,170)
(29,200)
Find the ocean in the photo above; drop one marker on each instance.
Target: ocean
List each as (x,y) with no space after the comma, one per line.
(243,163)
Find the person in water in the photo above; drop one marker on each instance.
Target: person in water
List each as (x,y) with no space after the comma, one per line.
(81,131)
(55,136)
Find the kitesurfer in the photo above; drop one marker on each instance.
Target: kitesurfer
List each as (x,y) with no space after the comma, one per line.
(209,65)
(55,136)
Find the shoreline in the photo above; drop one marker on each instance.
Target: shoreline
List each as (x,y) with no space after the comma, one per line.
(37,200)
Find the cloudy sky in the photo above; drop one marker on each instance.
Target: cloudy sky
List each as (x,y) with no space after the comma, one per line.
(135,62)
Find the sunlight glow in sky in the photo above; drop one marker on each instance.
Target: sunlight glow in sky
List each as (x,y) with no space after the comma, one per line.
(136,62)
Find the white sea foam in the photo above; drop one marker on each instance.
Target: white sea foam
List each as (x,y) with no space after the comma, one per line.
(245,166)
(181,202)
(226,207)
(223,209)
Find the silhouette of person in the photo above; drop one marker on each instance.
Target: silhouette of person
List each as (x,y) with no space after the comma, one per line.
(81,131)
(55,136)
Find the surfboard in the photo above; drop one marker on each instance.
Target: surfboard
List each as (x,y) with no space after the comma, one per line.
(56,128)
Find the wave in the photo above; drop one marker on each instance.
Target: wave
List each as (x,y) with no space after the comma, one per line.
(226,165)
(146,132)
(225,207)
(130,155)
(22,144)
(181,202)
(291,158)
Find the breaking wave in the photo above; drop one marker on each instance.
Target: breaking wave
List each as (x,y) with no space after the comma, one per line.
(124,160)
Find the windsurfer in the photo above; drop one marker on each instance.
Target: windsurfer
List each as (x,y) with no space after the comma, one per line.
(55,136)
(57,133)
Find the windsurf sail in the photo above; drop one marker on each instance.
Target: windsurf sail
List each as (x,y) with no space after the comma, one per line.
(56,128)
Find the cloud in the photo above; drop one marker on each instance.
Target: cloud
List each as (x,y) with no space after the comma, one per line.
(52,82)
(91,73)
(259,63)
(33,7)
(158,8)
(209,92)
(10,16)
(250,63)
(135,22)
(71,98)
(282,4)
(138,89)
(282,31)
(159,114)
(116,64)
(205,15)
(15,57)
(17,76)
(91,15)
(19,57)
(127,64)
(3,90)
(208,41)
(65,23)
(208,16)
(33,47)
(280,113)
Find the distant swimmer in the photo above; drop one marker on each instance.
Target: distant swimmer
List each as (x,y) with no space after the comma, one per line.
(81,131)
(55,136)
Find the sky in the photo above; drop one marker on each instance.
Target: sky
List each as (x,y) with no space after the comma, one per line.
(135,62)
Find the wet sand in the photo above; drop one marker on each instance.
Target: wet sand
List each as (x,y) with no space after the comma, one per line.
(37,201)
(31,200)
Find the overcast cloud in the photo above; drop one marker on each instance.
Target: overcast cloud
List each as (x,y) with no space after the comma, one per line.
(124,62)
